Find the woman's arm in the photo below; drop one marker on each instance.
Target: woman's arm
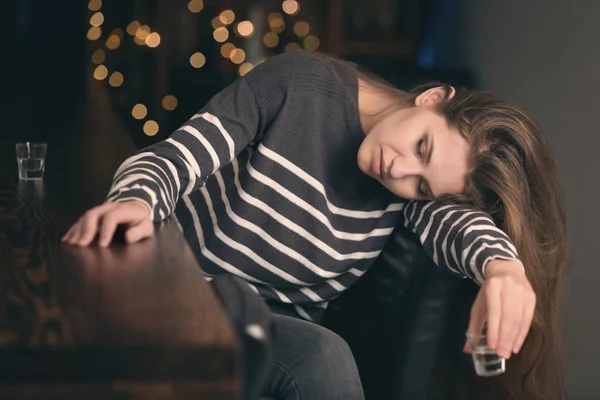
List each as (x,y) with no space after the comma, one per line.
(161,173)
(147,186)
(462,239)
(468,243)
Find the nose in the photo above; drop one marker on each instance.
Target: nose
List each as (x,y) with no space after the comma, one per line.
(403,167)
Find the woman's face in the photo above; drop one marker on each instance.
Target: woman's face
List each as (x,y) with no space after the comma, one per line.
(414,153)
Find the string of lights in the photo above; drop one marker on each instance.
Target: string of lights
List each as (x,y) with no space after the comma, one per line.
(226,30)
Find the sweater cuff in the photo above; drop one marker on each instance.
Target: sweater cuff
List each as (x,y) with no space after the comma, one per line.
(496,257)
(130,194)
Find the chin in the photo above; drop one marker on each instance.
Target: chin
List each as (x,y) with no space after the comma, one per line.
(363,164)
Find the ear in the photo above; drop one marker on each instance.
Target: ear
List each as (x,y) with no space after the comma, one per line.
(433,96)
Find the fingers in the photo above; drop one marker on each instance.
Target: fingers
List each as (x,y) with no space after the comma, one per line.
(110,221)
(511,319)
(117,216)
(104,220)
(139,227)
(89,224)
(494,307)
(477,319)
(478,314)
(84,230)
(140,231)
(507,302)
(511,305)
(67,237)
(528,310)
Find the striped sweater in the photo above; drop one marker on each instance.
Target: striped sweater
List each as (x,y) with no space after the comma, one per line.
(265,185)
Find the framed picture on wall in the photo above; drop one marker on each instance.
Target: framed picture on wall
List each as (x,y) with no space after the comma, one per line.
(375,26)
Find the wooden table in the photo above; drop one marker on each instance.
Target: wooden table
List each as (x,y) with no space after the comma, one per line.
(123,322)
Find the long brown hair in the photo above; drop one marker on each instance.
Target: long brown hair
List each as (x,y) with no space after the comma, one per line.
(513,177)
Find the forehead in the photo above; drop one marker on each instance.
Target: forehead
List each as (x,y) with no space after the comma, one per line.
(448,166)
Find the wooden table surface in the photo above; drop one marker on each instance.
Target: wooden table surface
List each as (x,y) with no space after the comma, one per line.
(136,321)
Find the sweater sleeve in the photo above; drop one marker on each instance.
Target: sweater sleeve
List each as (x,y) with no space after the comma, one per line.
(233,119)
(459,238)
(160,174)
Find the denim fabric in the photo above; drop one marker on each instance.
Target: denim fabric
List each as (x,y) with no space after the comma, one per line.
(310,363)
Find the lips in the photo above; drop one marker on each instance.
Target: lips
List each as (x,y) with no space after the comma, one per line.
(381,165)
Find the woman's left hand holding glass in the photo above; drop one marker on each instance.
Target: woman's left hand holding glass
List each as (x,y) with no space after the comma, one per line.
(506,301)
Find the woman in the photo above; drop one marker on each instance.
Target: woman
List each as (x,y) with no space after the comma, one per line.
(294,176)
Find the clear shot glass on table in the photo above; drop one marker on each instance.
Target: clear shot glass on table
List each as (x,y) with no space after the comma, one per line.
(485,359)
(31,159)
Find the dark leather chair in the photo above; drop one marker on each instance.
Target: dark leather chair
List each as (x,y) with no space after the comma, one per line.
(405,321)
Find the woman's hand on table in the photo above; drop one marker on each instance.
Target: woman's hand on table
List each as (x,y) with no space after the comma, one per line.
(103,220)
(506,301)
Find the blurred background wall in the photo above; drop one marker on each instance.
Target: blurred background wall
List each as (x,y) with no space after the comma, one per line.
(545,56)
(125,73)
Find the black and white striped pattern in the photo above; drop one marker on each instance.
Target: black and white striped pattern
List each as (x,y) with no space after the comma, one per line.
(269,190)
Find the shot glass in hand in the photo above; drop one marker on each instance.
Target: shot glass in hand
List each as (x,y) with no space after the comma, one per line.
(31,159)
(485,359)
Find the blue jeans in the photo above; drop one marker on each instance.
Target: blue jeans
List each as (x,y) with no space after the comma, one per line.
(310,363)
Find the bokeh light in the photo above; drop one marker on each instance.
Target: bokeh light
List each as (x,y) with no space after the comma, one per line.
(237,56)
(216,23)
(226,49)
(311,42)
(245,28)
(271,39)
(197,60)
(142,33)
(94,33)
(101,72)
(245,68)
(133,27)
(292,46)
(97,19)
(274,15)
(113,42)
(195,6)
(95,5)
(276,22)
(221,34)
(139,111)
(290,7)
(153,39)
(116,79)
(301,28)
(151,128)
(99,56)
(227,17)
(169,102)
(118,32)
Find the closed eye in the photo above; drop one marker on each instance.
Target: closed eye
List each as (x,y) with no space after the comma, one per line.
(420,147)
(421,191)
